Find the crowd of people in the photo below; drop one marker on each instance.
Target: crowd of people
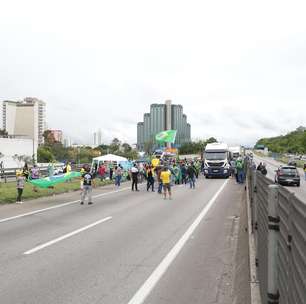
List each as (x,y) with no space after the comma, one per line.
(159,177)
(164,175)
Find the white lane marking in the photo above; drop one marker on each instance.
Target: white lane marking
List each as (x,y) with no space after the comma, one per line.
(156,275)
(66,236)
(57,206)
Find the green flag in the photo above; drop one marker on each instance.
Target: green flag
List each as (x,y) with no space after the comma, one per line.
(53,180)
(166,136)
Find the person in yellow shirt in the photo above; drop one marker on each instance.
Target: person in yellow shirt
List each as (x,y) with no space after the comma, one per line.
(165,177)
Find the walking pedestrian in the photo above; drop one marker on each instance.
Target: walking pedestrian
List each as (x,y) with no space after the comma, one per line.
(50,169)
(88,183)
(165,176)
(240,170)
(158,171)
(150,179)
(101,172)
(134,172)
(25,171)
(111,172)
(35,175)
(20,186)
(118,176)
(184,173)
(305,170)
(191,172)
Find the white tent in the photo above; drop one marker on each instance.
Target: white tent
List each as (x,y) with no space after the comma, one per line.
(109,158)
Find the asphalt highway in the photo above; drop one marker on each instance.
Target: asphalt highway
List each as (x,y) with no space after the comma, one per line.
(128,247)
(272,165)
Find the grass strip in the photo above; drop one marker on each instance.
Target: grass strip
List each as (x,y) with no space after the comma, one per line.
(8,192)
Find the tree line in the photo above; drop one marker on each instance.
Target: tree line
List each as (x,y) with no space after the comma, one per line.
(195,147)
(293,142)
(53,150)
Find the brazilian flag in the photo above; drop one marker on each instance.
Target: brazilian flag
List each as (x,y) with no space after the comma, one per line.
(53,180)
(166,136)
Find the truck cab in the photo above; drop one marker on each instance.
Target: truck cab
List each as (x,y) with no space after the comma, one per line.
(216,160)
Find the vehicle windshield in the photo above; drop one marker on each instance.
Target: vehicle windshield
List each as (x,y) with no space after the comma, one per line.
(288,171)
(215,155)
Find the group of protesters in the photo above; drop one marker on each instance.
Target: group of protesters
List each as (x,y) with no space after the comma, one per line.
(160,176)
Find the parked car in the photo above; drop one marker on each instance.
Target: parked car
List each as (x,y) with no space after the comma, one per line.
(58,170)
(287,175)
(292,163)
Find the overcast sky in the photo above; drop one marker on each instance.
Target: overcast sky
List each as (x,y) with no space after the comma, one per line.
(237,67)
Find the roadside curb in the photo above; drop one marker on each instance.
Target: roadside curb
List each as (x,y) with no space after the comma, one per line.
(254,283)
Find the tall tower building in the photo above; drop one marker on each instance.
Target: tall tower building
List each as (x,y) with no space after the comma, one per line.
(97,138)
(168,115)
(163,117)
(140,136)
(25,118)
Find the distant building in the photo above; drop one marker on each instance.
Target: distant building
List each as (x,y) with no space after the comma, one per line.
(163,117)
(97,138)
(57,134)
(67,142)
(25,118)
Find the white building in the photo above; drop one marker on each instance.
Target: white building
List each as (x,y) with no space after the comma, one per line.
(97,138)
(25,118)
(13,150)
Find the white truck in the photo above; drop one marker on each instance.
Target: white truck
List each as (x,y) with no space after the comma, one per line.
(235,152)
(216,160)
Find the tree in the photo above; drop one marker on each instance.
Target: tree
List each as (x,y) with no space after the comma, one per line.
(49,139)
(196,147)
(115,145)
(211,140)
(44,155)
(293,142)
(148,147)
(21,159)
(126,148)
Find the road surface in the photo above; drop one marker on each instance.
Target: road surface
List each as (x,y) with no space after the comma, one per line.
(272,165)
(128,247)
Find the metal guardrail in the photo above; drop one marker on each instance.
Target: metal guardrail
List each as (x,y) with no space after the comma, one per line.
(279,226)
(10,173)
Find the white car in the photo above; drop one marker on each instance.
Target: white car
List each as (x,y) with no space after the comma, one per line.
(58,170)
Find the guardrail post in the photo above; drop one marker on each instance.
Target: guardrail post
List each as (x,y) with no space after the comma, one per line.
(273,292)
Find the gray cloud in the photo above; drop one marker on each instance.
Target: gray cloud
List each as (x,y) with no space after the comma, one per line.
(237,83)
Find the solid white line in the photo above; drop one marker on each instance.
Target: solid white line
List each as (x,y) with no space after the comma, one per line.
(151,282)
(66,236)
(57,206)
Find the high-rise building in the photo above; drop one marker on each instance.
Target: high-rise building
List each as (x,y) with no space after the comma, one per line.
(97,138)
(58,135)
(67,142)
(25,118)
(162,117)
(140,136)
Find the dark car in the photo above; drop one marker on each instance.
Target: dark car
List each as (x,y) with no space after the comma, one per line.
(292,163)
(287,175)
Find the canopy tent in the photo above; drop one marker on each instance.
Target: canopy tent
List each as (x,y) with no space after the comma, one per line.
(109,159)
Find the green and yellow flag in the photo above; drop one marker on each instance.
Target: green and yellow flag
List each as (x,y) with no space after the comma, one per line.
(166,136)
(54,180)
